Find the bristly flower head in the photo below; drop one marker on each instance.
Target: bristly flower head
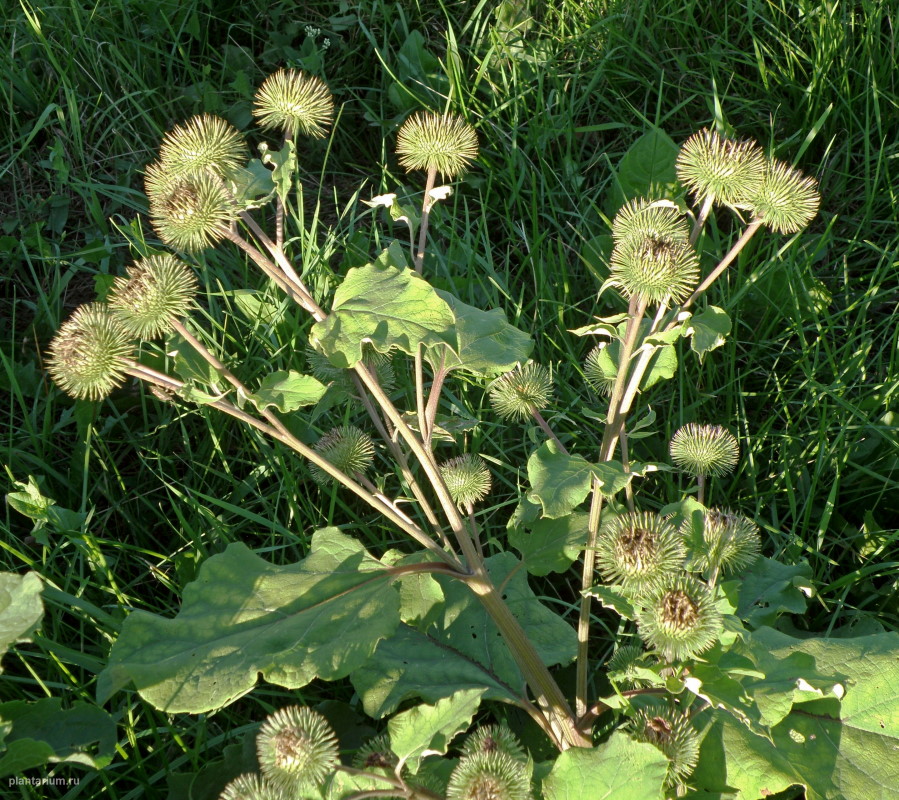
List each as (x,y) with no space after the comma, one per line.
(90,352)
(251,787)
(297,749)
(444,143)
(673,733)
(190,214)
(639,551)
(623,665)
(649,219)
(730,542)
(294,102)
(704,450)
(653,257)
(493,738)
(467,479)
(654,269)
(786,200)
(493,775)
(348,448)
(600,370)
(203,143)
(376,754)
(158,290)
(518,394)
(679,619)
(712,166)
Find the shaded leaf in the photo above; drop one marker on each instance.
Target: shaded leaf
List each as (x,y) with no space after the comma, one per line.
(21,608)
(551,545)
(43,733)
(411,664)
(321,617)
(770,588)
(646,169)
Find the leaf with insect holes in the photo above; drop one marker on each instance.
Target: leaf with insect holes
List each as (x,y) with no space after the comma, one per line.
(551,545)
(388,305)
(319,618)
(287,391)
(412,664)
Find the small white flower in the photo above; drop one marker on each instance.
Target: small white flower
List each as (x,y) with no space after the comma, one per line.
(440,192)
(385,200)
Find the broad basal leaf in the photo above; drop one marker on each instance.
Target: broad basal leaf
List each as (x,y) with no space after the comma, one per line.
(21,608)
(43,733)
(551,545)
(288,391)
(488,345)
(429,729)
(619,769)
(462,648)
(321,617)
(559,481)
(411,664)
(388,306)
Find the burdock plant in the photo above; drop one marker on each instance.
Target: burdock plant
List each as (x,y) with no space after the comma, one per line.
(419,628)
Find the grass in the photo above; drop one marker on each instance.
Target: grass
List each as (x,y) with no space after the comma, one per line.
(808,379)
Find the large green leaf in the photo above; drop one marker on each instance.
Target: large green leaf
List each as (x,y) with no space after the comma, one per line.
(810,748)
(646,170)
(769,588)
(321,617)
(287,391)
(488,345)
(619,769)
(551,545)
(835,748)
(21,608)
(431,728)
(388,305)
(467,628)
(43,732)
(411,664)
(462,648)
(559,481)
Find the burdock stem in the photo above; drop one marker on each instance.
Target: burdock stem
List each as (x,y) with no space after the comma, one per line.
(636,309)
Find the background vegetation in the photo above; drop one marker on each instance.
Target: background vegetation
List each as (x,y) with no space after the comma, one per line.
(558,92)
